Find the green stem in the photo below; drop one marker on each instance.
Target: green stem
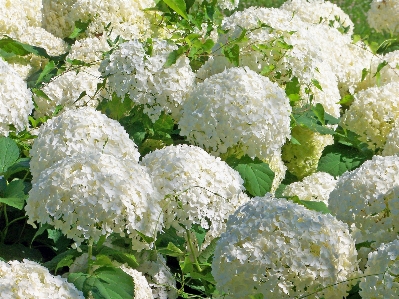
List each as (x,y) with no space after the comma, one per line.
(190,244)
(17,219)
(90,254)
(5,230)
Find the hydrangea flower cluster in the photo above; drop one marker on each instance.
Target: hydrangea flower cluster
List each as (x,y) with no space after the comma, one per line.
(320,11)
(282,250)
(391,146)
(302,160)
(66,89)
(142,76)
(315,187)
(15,100)
(126,17)
(197,188)
(237,99)
(89,50)
(383,15)
(224,4)
(91,195)
(367,199)
(373,113)
(381,275)
(29,280)
(55,17)
(79,131)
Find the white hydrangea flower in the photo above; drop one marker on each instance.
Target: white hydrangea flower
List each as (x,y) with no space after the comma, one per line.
(78,131)
(315,187)
(64,90)
(282,250)
(380,279)
(391,146)
(237,107)
(383,15)
(320,11)
(127,17)
(142,289)
(15,100)
(224,4)
(89,50)
(55,17)
(16,15)
(302,160)
(29,280)
(39,37)
(367,199)
(27,65)
(159,276)
(310,57)
(197,188)
(87,196)
(130,71)
(373,113)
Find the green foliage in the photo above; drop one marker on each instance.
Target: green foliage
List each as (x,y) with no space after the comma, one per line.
(257,175)
(311,205)
(9,154)
(105,283)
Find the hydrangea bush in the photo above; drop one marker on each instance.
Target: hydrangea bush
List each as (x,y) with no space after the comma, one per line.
(187,149)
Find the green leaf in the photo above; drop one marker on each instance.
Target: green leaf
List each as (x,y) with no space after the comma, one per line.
(187,265)
(14,195)
(116,108)
(317,84)
(388,46)
(338,158)
(347,100)
(257,175)
(164,123)
(318,110)
(62,258)
(366,244)
(120,257)
(21,164)
(207,254)
(179,6)
(66,261)
(174,55)
(19,252)
(105,283)
(365,72)
(41,230)
(9,153)
(199,233)
(10,46)
(171,250)
(79,28)
(232,54)
(312,205)
(256,296)
(50,66)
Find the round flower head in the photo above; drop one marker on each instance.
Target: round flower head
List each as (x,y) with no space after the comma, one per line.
(87,196)
(143,77)
(15,100)
(142,289)
(89,50)
(77,131)
(380,279)
(367,199)
(126,17)
(237,106)
(315,187)
(302,159)
(29,280)
(55,17)
(16,15)
(383,15)
(282,250)
(320,11)
(373,113)
(39,37)
(65,90)
(197,188)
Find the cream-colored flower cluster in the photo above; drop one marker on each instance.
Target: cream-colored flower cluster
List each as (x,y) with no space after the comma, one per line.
(383,15)
(197,188)
(367,200)
(84,130)
(315,187)
(142,76)
(382,271)
(89,195)
(29,280)
(282,250)
(237,107)
(15,100)
(373,113)
(142,289)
